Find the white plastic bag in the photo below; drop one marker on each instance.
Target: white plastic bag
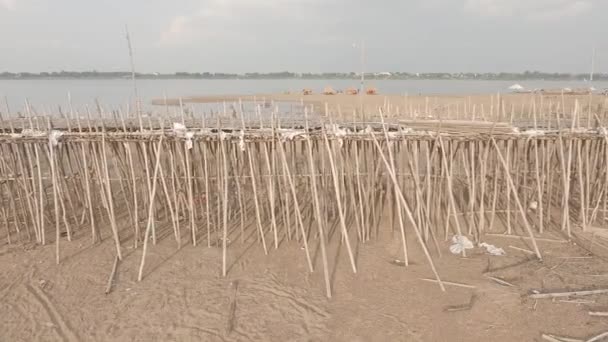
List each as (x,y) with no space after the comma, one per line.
(493,250)
(460,243)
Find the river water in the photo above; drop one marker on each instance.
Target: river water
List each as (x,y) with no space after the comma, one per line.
(115,93)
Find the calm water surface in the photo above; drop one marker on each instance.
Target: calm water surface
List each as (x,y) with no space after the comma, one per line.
(112,94)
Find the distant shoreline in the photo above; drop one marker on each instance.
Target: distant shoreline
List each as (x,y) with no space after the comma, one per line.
(388,76)
(304,79)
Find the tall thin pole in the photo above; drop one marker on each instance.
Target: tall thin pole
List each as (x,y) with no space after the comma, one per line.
(592,65)
(131,60)
(362,87)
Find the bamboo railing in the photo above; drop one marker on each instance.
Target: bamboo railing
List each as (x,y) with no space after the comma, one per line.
(310,180)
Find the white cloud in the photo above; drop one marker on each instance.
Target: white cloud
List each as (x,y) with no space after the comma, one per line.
(8,4)
(529,9)
(230,19)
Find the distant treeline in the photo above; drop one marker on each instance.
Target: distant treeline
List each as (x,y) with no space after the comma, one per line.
(527,75)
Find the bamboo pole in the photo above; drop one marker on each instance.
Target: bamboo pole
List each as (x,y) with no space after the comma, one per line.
(521,209)
(150,211)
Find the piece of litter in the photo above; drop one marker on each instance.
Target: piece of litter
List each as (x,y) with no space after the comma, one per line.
(338,132)
(493,250)
(398,262)
(460,243)
(54,137)
(533,205)
(189,136)
(290,134)
(179,128)
(28,132)
(533,132)
(181,131)
(242,140)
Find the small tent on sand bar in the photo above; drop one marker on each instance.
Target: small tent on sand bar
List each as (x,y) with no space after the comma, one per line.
(516,88)
(329,91)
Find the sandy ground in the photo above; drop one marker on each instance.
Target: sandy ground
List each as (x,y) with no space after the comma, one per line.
(434,104)
(273,298)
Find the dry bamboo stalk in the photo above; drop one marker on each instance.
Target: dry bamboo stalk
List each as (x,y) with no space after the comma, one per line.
(539,193)
(317,211)
(150,211)
(408,213)
(240,196)
(225,209)
(144,152)
(207,210)
(507,177)
(522,250)
(359,192)
(599,337)
(109,198)
(133,192)
(339,202)
(583,207)
(451,190)
(55,204)
(553,338)
(567,294)
(186,152)
(500,281)
(449,283)
(41,196)
(270,188)
(399,205)
(112,274)
(521,209)
(297,206)
(172,212)
(483,174)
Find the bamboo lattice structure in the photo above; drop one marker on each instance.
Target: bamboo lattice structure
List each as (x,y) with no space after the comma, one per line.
(218,182)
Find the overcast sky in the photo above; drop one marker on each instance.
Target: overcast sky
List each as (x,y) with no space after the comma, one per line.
(304,35)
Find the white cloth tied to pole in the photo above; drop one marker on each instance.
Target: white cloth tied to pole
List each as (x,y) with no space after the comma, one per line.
(54,137)
(338,132)
(189,136)
(182,132)
(242,140)
(179,129)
